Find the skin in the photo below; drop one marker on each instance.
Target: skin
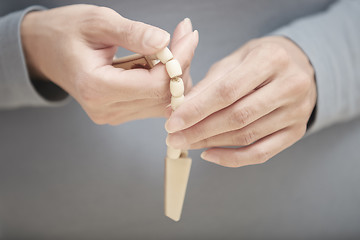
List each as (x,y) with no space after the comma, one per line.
(73,47)
(259,99)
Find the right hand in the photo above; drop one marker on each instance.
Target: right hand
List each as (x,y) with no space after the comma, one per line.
(73,47)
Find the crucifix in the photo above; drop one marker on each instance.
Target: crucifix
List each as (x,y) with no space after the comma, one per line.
(177,162)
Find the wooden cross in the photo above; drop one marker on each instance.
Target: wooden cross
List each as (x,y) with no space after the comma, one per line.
(177,162)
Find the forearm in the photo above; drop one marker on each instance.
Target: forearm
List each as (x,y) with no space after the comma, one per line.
(331,40)
(16,87)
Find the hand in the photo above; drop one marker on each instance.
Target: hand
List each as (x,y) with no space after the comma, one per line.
(259,98)
(74,46)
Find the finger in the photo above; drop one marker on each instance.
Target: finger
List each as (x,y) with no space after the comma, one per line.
(109,28)
(183,28)
(126,85)
(187,84)
(184,48)
(142,103)
(256,153)
(137,113)
(227,64)
(238,115)
(257,130)
(222,93)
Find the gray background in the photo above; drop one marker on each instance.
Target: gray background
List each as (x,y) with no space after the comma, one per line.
(63,177)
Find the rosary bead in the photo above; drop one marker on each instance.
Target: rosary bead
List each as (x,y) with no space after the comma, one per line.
(176,87)
(173,68)
(176,101)
(173,153)
(165,55)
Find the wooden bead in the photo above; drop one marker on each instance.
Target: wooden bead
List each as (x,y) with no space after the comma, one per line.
(173,153)
(177,87)
(173,68)
(165,55)
(176,101)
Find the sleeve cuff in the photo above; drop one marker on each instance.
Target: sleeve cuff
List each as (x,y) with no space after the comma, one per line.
(318,118)
(331,41)
(16,88)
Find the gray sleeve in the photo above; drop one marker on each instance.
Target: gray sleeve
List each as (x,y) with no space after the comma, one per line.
(16,88)
(331,40)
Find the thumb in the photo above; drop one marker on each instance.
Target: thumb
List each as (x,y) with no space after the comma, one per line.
(133,35)
(140,37)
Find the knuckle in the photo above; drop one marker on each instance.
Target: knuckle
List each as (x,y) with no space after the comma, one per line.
(240,117)
(214,66)
(274,53)
(227,92)
(131,28)
(195,109)
(279,56)
(94,16)
(162,94)
(301,83)
(248,137)
(87,93)
(234,161)
(115,122)
(304,110)
(300,132)
(243,138)
(187,61)
(197,133)
(205,143)
(102,11)
(261,155)
(98,119)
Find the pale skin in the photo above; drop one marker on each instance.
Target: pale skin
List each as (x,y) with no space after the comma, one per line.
(259,99)
(74,46)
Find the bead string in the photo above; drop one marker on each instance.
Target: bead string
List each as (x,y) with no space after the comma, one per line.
(174,71)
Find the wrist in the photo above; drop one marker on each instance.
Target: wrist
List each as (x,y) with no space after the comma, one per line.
(302,60)
(29,40)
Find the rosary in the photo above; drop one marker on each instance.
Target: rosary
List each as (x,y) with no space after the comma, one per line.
(177,162)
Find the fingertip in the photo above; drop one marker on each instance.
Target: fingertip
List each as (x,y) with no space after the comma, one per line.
(174,124)
(183,28)
(155,39)
(203,155)
(196,34)
(187,20)
(188,24)
(210,157)
(168,111)
(165,40)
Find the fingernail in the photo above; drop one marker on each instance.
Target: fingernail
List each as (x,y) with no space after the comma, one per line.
(156,38)
(196,35)
(174,124)
(210,158)
(167,140)
(176,141)
(188,24)
(188,21)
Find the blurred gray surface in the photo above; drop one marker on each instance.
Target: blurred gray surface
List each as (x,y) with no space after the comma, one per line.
(63,177)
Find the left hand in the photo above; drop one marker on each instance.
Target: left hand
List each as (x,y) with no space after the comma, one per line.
(259,98)
(78,57)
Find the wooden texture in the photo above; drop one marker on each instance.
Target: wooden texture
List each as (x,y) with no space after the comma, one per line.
(134,61)
(177,173)
(177,170)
